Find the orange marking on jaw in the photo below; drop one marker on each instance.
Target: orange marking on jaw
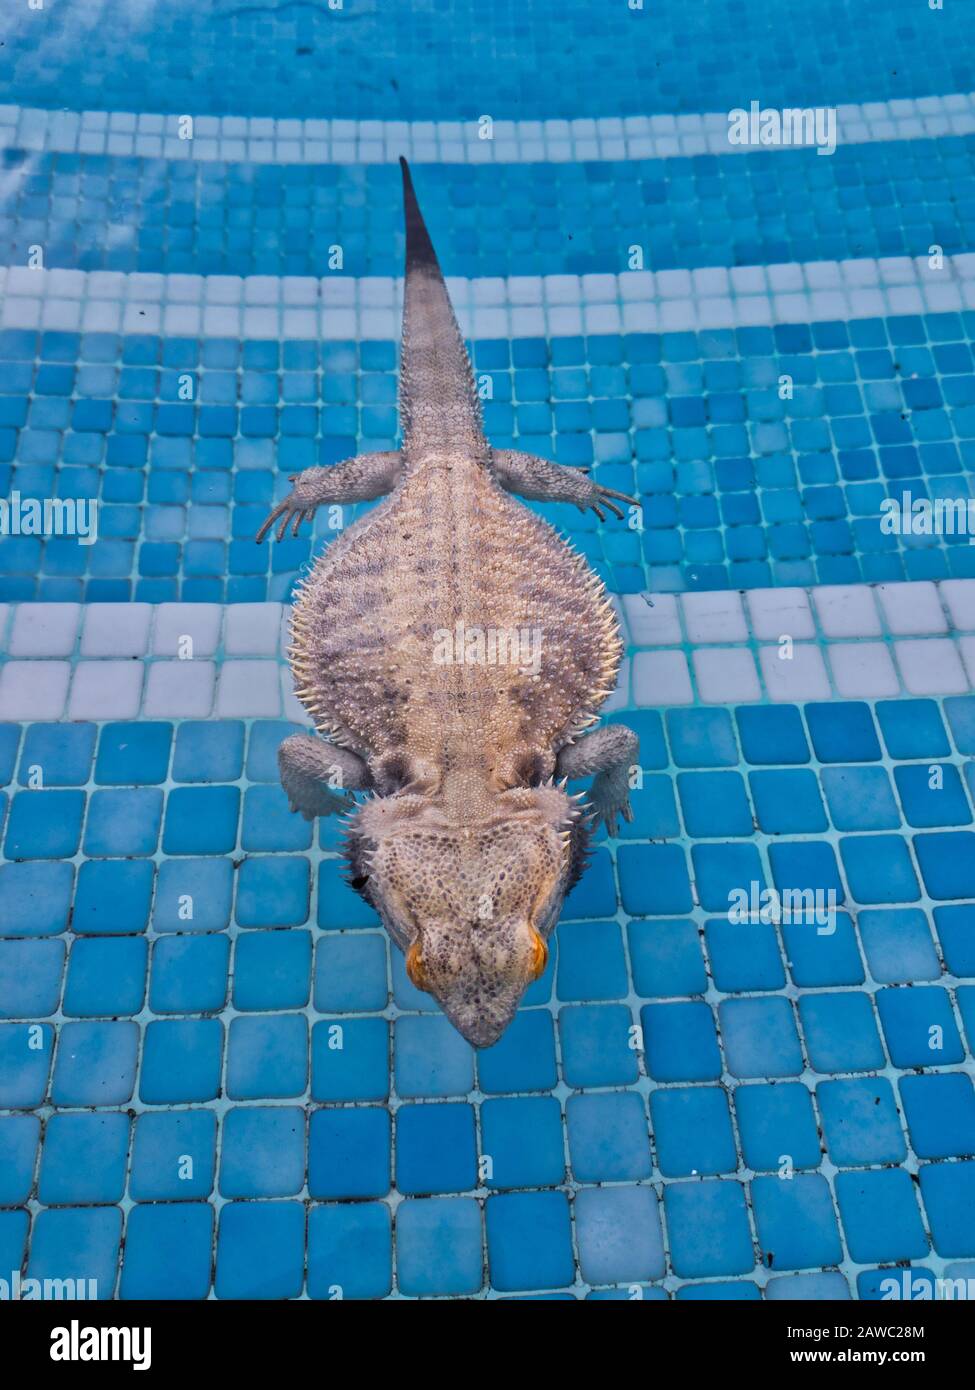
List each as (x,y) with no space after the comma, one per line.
(539,955)
(414,965)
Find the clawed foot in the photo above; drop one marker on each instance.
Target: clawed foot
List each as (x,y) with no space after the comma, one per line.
(597,497)
(609,798)
(321,802)
(312,797)
(299,505)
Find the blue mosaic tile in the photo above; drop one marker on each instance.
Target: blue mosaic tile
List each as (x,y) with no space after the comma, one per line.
(167,1252)
(350,1251)
(760,502)
(470,63)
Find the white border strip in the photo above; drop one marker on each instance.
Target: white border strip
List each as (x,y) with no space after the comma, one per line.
(105,661)
(345,307)
(270,140)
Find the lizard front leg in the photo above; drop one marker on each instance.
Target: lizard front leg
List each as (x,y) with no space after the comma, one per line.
(609,752)
(354,480)
(542,481)
(317,776)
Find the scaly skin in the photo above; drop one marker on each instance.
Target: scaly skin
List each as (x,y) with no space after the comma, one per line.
(470,841)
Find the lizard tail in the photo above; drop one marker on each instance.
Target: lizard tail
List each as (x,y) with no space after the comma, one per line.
(419,247)
(437,393)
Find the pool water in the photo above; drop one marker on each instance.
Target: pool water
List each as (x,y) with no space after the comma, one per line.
(216,1079)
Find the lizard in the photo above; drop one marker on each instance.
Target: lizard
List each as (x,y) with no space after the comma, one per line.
(408,652)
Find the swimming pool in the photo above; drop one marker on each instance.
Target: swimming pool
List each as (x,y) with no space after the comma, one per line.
(201,237)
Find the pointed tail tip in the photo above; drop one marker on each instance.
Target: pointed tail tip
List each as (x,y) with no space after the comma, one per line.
(419,247)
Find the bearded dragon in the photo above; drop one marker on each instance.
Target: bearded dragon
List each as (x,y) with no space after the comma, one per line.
(408,651)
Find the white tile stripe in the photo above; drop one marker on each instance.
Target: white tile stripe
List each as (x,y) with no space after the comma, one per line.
(103,661)
(343,307)
(268,140)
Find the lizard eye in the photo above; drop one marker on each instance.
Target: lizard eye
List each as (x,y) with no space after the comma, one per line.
(539,955)
(414,965)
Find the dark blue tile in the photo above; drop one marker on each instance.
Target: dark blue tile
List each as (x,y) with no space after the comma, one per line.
(608,1137)
(692,1131)
(350,1251)
(189,974)
(167,1252)
(777,1127)
(260,1250)
(840,1032)
(529,1241)
(707,1223)
(84,1159)
(880,1216)
(597,1046)
(349,1152)
(173,1155)
(106,977)
(181,1061)
(350,1059)
(681,1042)
(796,1223)
(263,1151)
(523,1141)
(948,1193)
(435,1148)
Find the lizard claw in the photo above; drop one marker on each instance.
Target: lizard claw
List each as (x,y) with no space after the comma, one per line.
(326,803)
(597,497)
(609,798)
(297,507)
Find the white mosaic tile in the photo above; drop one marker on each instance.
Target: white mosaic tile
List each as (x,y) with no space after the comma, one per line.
(192,629)
(264,306)
(803,676)
(33,689)
(959,598)
(931,667)
(44,629)
(912,609)
(846,610)
(106,690)
(661,678)
(248,689)
(652,620)
(863,670)
(776,613)
(726,675)
(179,690)
(716,616)
(115,629)
(252,629)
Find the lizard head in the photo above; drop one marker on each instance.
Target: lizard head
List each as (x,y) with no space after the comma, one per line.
(471,905)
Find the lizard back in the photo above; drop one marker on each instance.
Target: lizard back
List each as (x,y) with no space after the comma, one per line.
(453,624)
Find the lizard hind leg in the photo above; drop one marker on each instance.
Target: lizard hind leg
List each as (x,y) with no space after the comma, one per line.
(608,752)
(360,479)
(543,481)
(317,776)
